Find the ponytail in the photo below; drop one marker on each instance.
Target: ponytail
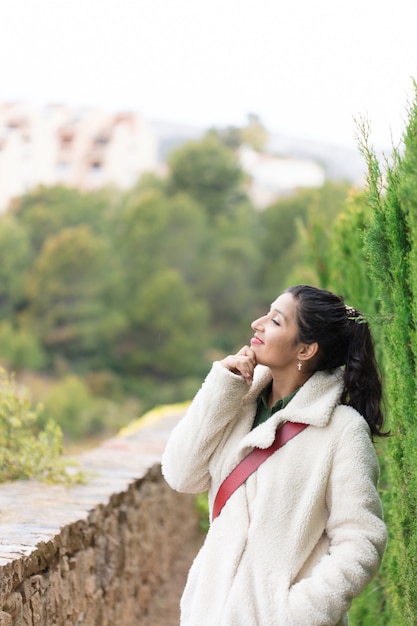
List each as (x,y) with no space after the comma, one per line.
(344,339)
(362,380)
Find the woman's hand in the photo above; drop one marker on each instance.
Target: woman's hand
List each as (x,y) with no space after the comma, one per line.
(243,363)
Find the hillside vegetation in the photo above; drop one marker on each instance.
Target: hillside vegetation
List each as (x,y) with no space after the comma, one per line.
(112,303)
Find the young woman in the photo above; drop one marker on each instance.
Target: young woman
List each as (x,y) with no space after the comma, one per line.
(303,535)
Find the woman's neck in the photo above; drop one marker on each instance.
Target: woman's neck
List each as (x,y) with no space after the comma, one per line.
(282,388)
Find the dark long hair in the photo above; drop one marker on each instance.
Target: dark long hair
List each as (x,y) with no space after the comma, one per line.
(344,339)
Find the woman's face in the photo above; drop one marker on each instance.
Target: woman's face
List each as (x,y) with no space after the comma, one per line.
(275,341)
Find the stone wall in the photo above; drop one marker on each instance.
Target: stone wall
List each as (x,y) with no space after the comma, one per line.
(99,553)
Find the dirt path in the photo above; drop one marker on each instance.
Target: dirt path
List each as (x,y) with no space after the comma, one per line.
(166,611)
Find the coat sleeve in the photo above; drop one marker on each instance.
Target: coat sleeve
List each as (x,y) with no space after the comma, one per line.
(206,424)
(355,529)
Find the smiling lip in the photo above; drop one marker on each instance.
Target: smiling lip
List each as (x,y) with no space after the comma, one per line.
(255,341)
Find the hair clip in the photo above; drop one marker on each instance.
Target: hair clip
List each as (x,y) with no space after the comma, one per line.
(354,315)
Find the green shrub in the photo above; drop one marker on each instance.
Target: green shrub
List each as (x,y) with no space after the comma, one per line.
(68,403)
(28,449)
(82,415)
(105,384)
(20,349)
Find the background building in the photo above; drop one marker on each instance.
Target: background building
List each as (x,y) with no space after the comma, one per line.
(272,177)
(82,148)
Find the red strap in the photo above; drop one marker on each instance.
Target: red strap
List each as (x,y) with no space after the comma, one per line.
(251,463)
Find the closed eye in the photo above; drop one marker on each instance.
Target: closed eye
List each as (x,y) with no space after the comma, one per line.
(276,323)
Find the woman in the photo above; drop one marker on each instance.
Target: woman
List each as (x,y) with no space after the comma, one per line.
(296,542)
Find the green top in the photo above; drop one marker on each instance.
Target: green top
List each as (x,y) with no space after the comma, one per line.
(264,412)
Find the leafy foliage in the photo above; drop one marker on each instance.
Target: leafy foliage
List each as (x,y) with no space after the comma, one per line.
(254,134)
(209,172)
(121,301)
(147,286)
(166,331)
(15,260)
(45,211)
(66,293)
(367,251)
(28,450)
(388,248)
(295,236)
(20,348)
(372,260)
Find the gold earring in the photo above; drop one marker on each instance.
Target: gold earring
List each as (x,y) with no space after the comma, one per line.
(299,365)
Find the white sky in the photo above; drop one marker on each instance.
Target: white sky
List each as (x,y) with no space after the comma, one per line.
(306,67)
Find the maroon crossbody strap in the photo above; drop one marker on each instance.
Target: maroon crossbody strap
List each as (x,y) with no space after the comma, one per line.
(251,463)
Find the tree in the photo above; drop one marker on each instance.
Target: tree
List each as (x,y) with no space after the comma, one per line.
(326,204)
(47,210)
(152,232)
(209,172)
(67,295)
(293,232)
(160,242)
(391,249)
(15,260)
(229,278)
(166,333)
(280,242)
(231,136)
(20,348)
(254,134)
(344,259)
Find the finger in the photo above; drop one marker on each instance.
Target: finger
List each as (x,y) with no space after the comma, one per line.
(247,351)
(246,369)
(243,363)
(248,378)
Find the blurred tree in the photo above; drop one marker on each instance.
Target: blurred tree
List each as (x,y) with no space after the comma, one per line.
(66,291)
(70,404)
(167,328)
(160,242)
(231,136)
(326,204)
(229,278)
(15,260)
(280,242)
(255,133)
(20,348)
(348,271)
(149,182)
(303,257)
(209,172)
(152,232)
(47,210)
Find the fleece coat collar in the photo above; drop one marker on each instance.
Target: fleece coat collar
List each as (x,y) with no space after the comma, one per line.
(319,395)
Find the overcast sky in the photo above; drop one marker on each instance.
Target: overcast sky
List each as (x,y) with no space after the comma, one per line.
(306,67)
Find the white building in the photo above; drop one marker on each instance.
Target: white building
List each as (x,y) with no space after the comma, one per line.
(82,148)
(272,177)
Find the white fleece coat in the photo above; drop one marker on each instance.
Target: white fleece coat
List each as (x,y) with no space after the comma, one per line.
(304,535)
